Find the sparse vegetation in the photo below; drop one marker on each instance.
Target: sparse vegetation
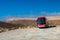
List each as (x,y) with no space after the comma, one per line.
(15,24)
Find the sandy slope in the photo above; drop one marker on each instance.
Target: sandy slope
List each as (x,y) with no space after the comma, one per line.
(48,17)
(32,34)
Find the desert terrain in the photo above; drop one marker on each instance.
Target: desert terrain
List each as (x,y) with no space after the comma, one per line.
(26,29)
(32,34)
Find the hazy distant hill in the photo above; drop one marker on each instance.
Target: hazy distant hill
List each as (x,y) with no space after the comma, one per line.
(53,20)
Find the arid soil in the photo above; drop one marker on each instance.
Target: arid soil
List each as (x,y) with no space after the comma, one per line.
(27,30)
(32,34)
(25,23)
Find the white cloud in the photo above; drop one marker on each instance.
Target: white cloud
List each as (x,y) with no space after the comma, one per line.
(50,13)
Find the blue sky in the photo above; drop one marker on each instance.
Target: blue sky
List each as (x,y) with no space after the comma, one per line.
(29,8)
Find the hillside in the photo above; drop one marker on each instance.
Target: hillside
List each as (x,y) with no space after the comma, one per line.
(16,23)
(4,26)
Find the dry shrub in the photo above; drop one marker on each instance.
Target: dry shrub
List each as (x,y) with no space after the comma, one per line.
(23,24)
(8,26)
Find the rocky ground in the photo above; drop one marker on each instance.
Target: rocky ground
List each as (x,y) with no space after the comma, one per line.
(32,34)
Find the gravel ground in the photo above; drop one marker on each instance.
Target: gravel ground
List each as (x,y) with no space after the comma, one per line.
(32,34)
